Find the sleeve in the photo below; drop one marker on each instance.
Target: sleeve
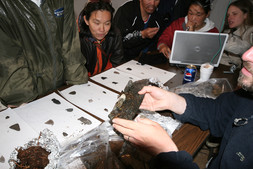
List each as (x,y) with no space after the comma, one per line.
(117,55)
(175,160)
(168,34)
(237,45)
(214,30)
(131,37)
(209,113)
(74,62)
(16,81)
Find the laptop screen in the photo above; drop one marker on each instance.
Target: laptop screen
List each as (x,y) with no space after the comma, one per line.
(197,48)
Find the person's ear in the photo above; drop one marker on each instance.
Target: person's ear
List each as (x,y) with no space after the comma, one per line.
(85,20)
(208,14)
(245,16)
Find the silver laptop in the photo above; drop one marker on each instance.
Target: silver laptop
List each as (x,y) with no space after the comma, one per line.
(197,48)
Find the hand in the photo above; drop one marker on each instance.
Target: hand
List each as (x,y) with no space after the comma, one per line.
(149,32)
(165,50)
(156,99)
(191,25)
(146,134)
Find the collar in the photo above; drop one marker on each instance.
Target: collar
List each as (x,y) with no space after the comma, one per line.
(37,2)
(209,25)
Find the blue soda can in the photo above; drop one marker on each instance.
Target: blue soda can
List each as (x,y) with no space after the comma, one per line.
(189,74)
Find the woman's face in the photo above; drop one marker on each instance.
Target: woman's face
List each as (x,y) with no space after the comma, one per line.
(197,16)
(235,17)
(99,23)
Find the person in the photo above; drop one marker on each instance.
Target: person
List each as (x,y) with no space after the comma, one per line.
(40,49)
(240,29)
(196,20)
(172,10)
(101,42)
(228,116)
(165,9)
(140,26)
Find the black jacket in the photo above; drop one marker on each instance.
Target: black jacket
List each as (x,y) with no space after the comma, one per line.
(111,45)
(236,150)
(128,19)
(40,49)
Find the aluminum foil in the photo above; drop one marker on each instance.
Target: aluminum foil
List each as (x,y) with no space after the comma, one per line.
(209,89)
(167,123)
(156,82)
(48,141)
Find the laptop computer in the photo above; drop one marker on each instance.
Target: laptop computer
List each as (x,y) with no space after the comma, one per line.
(197,48)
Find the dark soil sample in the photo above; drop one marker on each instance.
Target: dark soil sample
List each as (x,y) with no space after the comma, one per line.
(72,93)
(32,157)
(50,122)
(85,121)
(56,101)
(128,108)
(15,127)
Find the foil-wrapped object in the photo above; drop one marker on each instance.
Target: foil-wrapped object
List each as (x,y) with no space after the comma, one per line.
(46,140)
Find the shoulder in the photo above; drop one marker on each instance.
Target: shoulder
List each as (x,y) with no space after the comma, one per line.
(177,23)
(249,28)
(127,11)
(114,32)
(129,5)
(214,30)
(179,20)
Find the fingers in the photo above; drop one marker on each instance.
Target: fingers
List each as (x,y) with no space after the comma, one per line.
(145,89)
(165,50)
(166,53)
(126,127)
(123,122)
(150,32)
(145,121)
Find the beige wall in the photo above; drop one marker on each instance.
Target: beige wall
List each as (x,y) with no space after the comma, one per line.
(217,13)
(79,4)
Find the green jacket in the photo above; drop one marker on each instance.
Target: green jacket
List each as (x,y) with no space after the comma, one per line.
(39,49)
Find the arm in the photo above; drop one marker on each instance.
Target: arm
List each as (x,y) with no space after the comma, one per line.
(16,81)
(132,28)
(150,136)
(131,37)
(74,70)
(153,139)
(238,45)
(168,34)
(139,132)
(117,53)
(157,99)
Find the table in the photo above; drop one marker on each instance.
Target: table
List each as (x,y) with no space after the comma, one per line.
(189,137)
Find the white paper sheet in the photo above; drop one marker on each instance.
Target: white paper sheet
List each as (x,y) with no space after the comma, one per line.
(145,71)
(12,138)
(117,78)
(66,121)
(114,79)
(92,98)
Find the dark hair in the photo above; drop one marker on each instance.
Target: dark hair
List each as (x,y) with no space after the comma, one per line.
(205,4)
(247,8)
(93,5)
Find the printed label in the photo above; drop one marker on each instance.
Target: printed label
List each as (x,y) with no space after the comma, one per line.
(59,12)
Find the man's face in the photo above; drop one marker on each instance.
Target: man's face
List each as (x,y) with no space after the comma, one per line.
(149,6)
(245,79)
